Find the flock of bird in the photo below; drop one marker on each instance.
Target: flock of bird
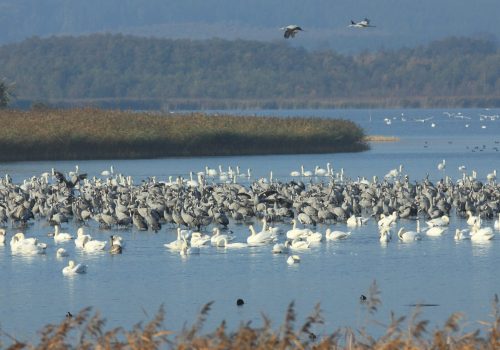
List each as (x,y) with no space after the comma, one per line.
(209,204)
(292,29)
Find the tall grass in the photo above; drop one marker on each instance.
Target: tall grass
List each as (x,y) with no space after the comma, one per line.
(84,331)
(100,134)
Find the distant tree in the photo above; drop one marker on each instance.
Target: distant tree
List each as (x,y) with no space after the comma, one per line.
(4,94)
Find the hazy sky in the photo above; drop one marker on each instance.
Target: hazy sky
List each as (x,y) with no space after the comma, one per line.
(398,22)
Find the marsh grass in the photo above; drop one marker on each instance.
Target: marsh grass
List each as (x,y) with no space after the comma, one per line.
(45,134)
(84,331)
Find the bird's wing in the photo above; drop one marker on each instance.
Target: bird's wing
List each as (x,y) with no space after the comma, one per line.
(59,176)
(287,34)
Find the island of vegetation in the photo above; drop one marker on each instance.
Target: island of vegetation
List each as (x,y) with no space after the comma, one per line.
(46,134)
(128,72)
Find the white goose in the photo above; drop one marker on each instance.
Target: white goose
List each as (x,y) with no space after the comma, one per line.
(92,246)
(73,269)
(22,245)
(61,236)
(80,237)
(261,238)
(336,235)
(2,236)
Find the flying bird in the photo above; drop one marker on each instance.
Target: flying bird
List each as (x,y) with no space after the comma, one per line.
(291,30)
(361,24)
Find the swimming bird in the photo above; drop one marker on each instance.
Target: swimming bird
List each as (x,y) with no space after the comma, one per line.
(198,239)
(385,234)
(291,30)
(116,244)
(336,235)
(314,237)
(408,236)
(80,238)
(299,244)
(496,225)
(281,248)
(61,236)
(441,221)
(481,234)
(22,245)
(461,235)
(472,219)
(222,242)
(261,238)
(365,23)
(217,235)
(73,269)
(186,249)
(92,246)
(61,252)
(293,259)
(177,243)
(297,232)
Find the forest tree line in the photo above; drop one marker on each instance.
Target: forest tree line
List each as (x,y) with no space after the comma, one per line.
(105,68)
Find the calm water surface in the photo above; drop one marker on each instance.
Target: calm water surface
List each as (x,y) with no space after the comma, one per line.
(128,288)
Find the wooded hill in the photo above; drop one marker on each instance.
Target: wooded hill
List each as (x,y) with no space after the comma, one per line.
(143,73)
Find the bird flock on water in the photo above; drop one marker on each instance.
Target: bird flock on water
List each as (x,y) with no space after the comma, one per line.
(316,205)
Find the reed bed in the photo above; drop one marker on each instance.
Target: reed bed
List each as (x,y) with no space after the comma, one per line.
(103,134)
(84,331)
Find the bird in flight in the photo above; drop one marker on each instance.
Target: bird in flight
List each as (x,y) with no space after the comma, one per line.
(361,24)
(291,30)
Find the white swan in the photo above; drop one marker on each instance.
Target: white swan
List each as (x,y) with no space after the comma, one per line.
(261,238)
(281,248)
(441,221)
(471,219)
(80,237)
(61,236)
(385,235)
(186,249)
(177,243)
(435,231)
(274,230)
(217,235)
(307,173)
(355,221)
(222,242)
(387,220)
(61,252)
(336,235)
(314,237)
(3,235)
(408,236)
(73,269)
(299,244)
(91,246)
(107,172)
(22,245)
(320,171)
(293,259)
(481,234)
(297,232)
(461,235)
(295,173)
(198,239)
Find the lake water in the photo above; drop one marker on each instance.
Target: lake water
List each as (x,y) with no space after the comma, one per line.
(128,288)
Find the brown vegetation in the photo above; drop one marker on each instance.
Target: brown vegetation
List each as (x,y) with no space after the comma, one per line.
(101,134)
(85,332)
